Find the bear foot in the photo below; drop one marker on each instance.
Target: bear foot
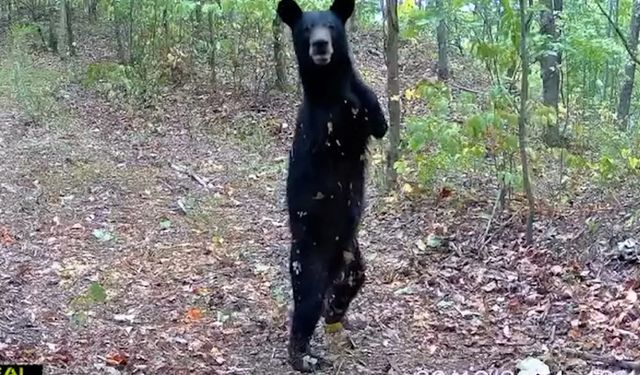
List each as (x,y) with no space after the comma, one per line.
(307,362)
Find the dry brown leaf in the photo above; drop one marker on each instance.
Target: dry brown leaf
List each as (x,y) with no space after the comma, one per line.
(217,355)
(490,287)
(117,359)
(557,270)
(6,238)
(632,296)
(194,313)
(445,193)
(506,331)
(598,317)
(574,333)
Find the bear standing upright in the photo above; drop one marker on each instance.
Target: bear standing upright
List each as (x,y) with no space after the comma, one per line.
(325,183)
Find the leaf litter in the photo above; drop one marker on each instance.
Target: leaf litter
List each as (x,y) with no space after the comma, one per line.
(197,281)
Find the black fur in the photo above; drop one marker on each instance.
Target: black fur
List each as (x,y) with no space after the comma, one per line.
(325,183)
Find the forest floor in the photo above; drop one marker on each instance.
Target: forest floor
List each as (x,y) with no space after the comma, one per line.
(177,213)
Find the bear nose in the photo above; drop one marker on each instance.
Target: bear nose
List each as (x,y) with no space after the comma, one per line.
(320,46)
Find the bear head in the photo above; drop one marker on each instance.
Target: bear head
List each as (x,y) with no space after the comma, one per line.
(319,37)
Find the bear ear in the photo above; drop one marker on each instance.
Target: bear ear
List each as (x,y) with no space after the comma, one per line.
(289,12)
(343,9)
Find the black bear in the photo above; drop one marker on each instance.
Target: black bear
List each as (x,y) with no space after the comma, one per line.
(325,182)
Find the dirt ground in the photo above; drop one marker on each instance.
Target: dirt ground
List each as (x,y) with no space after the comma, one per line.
(178,213)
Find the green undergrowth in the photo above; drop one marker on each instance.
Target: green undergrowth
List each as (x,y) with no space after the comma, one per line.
(482,143)
(30,85)
(122,82)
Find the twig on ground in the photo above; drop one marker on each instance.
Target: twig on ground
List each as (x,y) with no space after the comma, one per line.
(545,313)
(507,222)
(609,361)
(466,89)
(194,176)
(579,234)
(493,214)
(233,370)
(552,338)
(484,240)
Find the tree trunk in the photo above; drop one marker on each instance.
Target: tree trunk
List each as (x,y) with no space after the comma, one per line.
(212,48)
(9,11)
(52,41)
(522,119)
(608,77)
(130,44)
(66,26)
(550,67)
(92,10)
(443,43)
(119,32)
(393,92)
(627,87)
(278,55)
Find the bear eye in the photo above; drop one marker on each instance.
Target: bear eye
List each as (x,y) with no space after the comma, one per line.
(331,26)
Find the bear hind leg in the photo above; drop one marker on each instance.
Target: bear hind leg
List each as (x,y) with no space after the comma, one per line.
(345,286)
(311,275)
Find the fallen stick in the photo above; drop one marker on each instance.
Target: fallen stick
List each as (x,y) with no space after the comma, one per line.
(493,214)
(467,89)
(185,170)
(609,361)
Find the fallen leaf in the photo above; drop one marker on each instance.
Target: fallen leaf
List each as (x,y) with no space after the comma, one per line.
(117,359)
(261,268)
(576,362)
(434,241)
(217,355)
(180,340)
(490,287)
(557,270)
(574,333)
(407,189)
(632,296)
(532,366)
(599,317)
(102,235)
(6,238)
(97,292)
(506,331)
(165,224)
(405,290)
(445,193)
(124,318)
(201,291)
(194,313)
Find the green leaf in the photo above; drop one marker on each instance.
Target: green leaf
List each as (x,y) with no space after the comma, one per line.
(476,126)
(102,235)
(262,268)
(79,318)
(405,290)
(97,292)
(165,224)
(434,241)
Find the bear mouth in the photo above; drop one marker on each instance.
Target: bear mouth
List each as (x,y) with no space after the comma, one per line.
(321,59)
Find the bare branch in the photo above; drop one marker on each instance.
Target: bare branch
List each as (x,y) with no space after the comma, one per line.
(632,55)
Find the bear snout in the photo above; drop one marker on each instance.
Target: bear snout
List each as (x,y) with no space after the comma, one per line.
(320,46)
